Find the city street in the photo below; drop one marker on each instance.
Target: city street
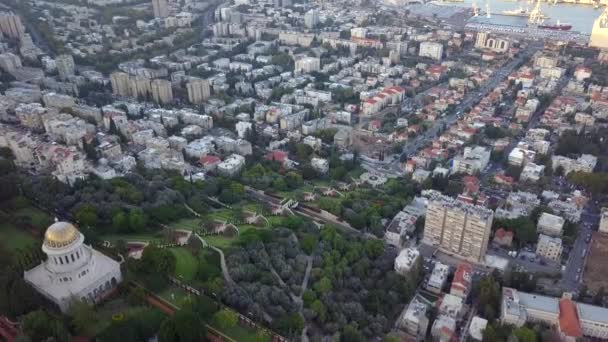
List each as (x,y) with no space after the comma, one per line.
(470,99)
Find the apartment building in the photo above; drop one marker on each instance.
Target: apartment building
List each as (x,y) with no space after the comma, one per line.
(406,260)
(461,284)
(10,25)
(573,320)
(161,91)
(584,163)
(549,247)
(458,228)
(65,66)
(473,160)
(307,65)
(431,50)
(160,8)
(438,278)
(550,224)
(120,83)
(604,221)
(414,319)
(231,165)
(198,91)
(485,41)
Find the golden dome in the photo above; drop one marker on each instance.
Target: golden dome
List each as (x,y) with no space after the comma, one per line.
(60,234)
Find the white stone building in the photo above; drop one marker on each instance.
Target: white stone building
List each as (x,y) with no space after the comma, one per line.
(431,50)
(549,247)
(73,270)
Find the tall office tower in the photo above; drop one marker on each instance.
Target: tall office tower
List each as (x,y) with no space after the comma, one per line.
(161,91)
(120,83)
(11,26)
(198,91)
(458,228)
(161,9)
(311,19)
(65,66)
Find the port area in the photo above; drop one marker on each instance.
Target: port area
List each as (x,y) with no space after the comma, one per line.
(529,32)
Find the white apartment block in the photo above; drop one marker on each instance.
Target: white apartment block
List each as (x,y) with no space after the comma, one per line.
(584,163)
(458,228)
(438,278)
(231,165)
(307,65)
(242,127)
(386,97)
(161,91)
(11,25)
(160,8)
(65,66)
(431,50)
(320,165)
(198,91)
(549,247)
(406,260)
(604,220)
(550,224)
(311,18)
(521,155)
(30,115)
(485,41)
(59,101)
(414,319)
(532,172)
(473,160)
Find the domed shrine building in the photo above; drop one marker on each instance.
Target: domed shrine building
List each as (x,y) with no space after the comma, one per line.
(73,270)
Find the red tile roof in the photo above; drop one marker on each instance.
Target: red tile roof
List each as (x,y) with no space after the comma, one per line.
(279,156)
(462,277)
(569,323)
(208,159)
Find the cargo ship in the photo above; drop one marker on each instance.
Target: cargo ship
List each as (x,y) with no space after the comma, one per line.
(556,27)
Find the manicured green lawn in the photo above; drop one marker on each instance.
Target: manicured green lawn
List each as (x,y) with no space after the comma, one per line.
(275,221)
(175,295)
(224,242)
(186,263)
(187,224)
(106,310)
(35,214)
(221,215)
(238,333)
(180,297)
(133,237)
(14,239)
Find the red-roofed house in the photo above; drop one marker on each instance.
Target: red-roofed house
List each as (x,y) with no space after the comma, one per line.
(471,184)
(409,166)
(569,323)
(505,180)
(462,280)
(375,125)
(277,155)
(209,162)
